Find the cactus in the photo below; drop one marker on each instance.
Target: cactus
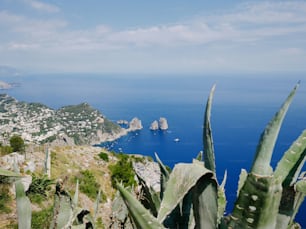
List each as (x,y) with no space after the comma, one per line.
(191,196)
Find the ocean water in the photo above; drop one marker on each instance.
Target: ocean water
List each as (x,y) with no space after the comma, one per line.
(242,107)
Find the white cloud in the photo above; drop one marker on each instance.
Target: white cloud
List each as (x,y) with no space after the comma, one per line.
(41,6)
(237,31)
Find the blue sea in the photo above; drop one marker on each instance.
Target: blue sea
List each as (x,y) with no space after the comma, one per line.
(242,106)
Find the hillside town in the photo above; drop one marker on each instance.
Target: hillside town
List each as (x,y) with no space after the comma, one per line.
(75,124)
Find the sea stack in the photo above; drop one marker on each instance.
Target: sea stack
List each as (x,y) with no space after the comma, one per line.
(163,124)
(135,124)
(154,125)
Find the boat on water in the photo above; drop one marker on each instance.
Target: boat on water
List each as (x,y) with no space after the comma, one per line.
(176,140)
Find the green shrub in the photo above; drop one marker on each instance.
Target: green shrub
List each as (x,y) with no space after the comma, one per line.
(104,156)
(17,143)
(4,150)
(88,184)
(5,198)
(39,188)
(122,171)
(42,219)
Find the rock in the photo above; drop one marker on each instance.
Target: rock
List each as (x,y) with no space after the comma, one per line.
(10,159)
(30,166)
(163,123)
(154,125)
(135,124)
(26,181)
(122,122)
(149,172)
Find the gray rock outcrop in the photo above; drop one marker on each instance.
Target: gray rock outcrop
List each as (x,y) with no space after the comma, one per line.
(135,124)
(149,172)
(163,124)
(154,125)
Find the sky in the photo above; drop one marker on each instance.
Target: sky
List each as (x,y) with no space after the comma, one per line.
(155,37)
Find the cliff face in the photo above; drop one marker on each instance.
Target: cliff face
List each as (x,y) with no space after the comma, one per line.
(34,122)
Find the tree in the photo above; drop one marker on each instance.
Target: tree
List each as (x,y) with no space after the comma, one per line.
(17,143)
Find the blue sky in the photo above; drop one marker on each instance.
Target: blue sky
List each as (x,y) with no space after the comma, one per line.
(174,36)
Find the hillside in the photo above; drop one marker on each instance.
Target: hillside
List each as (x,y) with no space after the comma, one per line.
(36,123)
(68,163)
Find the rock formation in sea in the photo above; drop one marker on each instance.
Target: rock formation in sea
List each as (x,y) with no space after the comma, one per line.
(154,125)
(163,123)
(135,124)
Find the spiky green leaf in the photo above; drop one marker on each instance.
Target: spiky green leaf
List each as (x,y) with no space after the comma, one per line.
(289,167)
(63,208)
(97,202)
(205,204)
(24,212)
(209,156)
(199,157)
(261,163)
(164,176)
(292,198)
(257,204)
(300,186)
(182,179)
(242,178)
(222,198)
(150,199)
(8,173)
(76,194)
(140,215)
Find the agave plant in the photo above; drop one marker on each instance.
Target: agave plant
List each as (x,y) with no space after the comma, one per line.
(22,201)
(191,196)
(66,213)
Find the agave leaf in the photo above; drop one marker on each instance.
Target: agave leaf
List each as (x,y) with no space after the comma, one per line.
(24,212)
(222,186)
(200,156)
(291,201)
(120,212)
(150,198)
(242,178)
(182,179)
(163,168)
(222,198)
(257,204)
(140,215)
(289,167)
(300,186)
(76,194)
(182,215)
(164,176)
(261,163)
(8,173)
(48,163)
(63,208)
(186,211)
(97,202)
(209,156)
(205,204)
(221,204)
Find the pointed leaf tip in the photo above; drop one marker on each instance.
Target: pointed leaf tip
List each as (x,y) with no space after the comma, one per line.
(261,163)
(209,157)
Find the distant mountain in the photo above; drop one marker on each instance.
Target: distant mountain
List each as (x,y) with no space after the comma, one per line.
(34,122)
